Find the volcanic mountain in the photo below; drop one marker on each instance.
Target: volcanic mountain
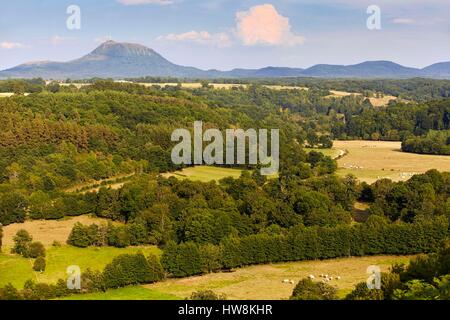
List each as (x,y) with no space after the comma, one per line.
(127,60)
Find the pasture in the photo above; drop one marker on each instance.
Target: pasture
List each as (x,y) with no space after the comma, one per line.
(204,173)
(16,269)
(264,282)
(373,160)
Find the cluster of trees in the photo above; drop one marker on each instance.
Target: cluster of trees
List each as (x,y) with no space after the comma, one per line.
(422,196)
(24,246)
(306,289)
(127,269)
(20,86)
(124,270)
(376,236)
(158,210)
(35,291)
(323,141)
(401,121)
(14,207)
(427,277)
(434,142)
(397,122)
(108,235)
(207,295)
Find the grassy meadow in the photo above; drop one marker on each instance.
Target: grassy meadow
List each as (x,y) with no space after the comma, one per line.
(205,173)
(260,282)
(16,269)
(373,160)
(266,281)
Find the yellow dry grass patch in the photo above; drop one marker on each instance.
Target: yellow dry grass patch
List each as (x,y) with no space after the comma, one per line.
(6,94)
(265,282)
(340,94)
(381,101)
(47,231)
(280,87)
(373,160)
(204,173)
(9,94)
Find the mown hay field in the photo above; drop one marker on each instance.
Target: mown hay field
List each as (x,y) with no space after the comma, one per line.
(373,160)
(266,281)
(47,231)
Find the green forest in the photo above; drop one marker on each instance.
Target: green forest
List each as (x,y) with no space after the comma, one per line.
(58,138)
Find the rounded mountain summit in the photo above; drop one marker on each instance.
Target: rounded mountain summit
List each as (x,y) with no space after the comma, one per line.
(128,60)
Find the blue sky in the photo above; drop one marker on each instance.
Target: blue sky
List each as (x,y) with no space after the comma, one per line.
(224,34)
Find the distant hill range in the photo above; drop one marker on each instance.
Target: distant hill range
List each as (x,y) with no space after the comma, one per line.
(126,60)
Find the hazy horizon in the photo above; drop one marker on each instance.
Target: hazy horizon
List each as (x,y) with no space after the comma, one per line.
(225,35)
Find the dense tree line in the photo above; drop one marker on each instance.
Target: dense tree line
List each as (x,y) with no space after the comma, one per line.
(434,142)
(397,122)
(21,86)
(419,198)
(417,89)
(374,237)
(306,289)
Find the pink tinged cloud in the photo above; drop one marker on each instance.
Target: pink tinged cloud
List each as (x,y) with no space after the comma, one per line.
(263,25)
(11,45)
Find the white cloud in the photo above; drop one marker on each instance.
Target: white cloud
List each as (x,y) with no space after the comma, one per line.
(260,25)
(103,39)
(403,21)
(263,24)
(141,2)
(220,39)
(11,45)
